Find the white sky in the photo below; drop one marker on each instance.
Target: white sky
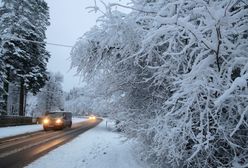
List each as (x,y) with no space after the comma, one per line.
(69,20)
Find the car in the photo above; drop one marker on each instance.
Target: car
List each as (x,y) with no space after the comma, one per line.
(57,120)
(92,117)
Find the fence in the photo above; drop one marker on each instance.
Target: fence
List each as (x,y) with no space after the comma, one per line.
(15,120)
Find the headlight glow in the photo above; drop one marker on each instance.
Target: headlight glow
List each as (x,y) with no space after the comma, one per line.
(92,117)
(58,121)
(45,121)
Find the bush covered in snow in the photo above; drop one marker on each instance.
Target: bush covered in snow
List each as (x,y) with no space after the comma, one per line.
(178,70)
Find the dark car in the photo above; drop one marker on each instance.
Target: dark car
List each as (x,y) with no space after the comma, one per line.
(57,120)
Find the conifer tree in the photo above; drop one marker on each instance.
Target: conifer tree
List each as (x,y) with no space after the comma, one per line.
(25,60)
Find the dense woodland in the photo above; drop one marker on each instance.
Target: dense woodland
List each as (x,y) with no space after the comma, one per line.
(175,73)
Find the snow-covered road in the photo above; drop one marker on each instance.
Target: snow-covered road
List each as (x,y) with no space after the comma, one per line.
(97,148)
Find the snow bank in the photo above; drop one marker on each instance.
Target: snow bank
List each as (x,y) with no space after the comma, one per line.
(98,147)
(16,130)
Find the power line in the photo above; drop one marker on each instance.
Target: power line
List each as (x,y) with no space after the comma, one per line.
(38,42)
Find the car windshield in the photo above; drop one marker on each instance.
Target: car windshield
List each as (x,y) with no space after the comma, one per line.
(55,115)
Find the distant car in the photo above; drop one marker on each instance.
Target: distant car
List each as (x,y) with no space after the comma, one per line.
(57,120)
(92,117)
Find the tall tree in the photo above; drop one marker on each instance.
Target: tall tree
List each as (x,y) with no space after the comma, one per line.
(26,60)
(2,81)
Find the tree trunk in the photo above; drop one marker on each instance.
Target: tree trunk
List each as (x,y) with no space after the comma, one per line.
(21,100)
(5,97)
(25,101)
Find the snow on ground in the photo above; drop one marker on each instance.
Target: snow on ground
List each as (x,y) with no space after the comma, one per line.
(16,130)
(97,148)
(77,120)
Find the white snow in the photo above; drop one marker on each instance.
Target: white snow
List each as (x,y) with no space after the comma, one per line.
(16,130)
(97,148)
(239,82)
(77,120)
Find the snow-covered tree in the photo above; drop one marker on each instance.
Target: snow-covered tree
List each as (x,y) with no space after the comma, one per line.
(182,68)
(25,61)
(51,96)
(79,101)
(2,81)
(1,72)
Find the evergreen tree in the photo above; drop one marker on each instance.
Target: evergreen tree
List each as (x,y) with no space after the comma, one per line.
(25,60)
(2,80)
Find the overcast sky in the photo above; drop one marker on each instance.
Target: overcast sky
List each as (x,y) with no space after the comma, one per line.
(69,21)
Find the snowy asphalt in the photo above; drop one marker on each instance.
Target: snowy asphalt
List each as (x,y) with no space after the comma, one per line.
(26,148)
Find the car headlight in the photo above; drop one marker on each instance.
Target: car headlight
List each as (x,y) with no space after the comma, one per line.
(58,121)
(45,121)
(92,117)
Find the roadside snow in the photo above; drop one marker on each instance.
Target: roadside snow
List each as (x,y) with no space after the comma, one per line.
(96,148)
(77,120)
(16,130)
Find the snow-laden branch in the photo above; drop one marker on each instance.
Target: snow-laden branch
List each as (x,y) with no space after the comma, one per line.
(245,112)
(238,83)
(132,8)
(176,78)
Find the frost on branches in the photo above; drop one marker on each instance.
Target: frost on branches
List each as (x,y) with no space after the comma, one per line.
(51,96)
(180,70)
